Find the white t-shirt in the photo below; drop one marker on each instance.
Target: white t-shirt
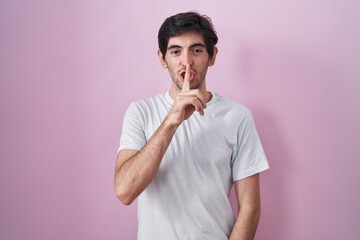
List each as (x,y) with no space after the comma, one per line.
(188,198)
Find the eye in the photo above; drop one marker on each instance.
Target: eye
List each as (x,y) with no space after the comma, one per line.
(197,51)
(175,52)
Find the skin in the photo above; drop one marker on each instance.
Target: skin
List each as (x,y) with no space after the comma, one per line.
(187,61)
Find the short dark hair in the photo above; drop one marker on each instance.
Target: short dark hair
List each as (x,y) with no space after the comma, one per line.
(187,22)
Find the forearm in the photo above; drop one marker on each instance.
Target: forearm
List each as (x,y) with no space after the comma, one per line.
(246,223)
(136,173)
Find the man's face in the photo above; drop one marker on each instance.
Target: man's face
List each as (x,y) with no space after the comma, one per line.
(187,48)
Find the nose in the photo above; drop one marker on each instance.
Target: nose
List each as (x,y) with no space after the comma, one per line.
(186,58)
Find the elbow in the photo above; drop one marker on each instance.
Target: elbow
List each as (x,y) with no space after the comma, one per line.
(126,201)
(251,210)
(123,196)
(256,211)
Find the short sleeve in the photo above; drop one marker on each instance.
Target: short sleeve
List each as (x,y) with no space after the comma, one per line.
(133,134)
(248,155)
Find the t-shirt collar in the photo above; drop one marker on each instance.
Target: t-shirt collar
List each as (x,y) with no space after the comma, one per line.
(210,103)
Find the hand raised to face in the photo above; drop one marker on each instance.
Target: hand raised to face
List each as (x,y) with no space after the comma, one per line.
(187,101)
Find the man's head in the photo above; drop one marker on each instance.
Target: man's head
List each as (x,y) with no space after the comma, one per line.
(187,39)
(187,22)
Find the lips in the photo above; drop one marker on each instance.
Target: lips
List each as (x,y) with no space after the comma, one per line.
(182,75)
(183,72)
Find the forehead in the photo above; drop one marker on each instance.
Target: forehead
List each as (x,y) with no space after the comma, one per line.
(186,39)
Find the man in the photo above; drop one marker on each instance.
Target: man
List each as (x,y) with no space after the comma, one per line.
(181,151)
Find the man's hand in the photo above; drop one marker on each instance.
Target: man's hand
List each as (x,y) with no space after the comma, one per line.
(186,102)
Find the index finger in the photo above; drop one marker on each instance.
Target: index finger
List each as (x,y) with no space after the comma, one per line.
(186,83)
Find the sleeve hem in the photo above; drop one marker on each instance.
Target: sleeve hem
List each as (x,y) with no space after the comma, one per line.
(251,172)
(132,147)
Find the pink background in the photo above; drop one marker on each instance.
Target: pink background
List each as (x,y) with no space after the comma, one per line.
(69,69)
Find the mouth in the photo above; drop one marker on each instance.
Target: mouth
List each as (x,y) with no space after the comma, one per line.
(182,75)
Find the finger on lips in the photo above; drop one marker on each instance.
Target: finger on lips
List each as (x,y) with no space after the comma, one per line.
(186,83)
(198,101)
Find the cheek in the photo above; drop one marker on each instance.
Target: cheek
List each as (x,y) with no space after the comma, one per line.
(203,70)
(172,73)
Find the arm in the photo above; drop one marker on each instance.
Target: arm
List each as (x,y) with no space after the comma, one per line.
(248,197)
(134,170)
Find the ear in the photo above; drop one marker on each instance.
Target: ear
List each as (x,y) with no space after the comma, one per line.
(212,60)
(162,59)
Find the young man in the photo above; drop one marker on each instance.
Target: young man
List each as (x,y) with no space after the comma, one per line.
(181,151)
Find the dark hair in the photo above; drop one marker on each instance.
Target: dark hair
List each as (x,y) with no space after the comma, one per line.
(185,22)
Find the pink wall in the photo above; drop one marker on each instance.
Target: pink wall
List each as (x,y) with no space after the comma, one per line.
(69,69)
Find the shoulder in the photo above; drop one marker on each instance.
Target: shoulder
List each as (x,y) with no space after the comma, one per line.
(149,102)
(231,108)
(149,107)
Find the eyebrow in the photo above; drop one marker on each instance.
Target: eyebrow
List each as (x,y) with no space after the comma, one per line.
(193,45)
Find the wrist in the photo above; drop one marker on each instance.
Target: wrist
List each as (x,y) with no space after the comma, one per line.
(170,124)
